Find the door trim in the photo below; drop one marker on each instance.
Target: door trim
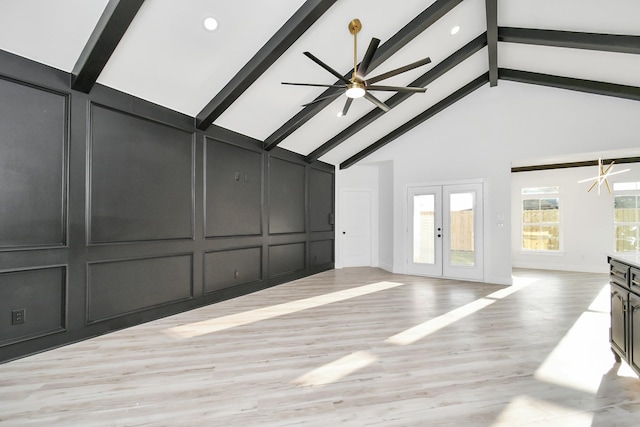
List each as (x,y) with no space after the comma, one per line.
(408,239)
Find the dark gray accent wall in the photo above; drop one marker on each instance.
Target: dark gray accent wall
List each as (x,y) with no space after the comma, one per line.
(232,267)
(233,181)
(288,258)
(41,294)
(320,200)
(115,288)
(33,144)
(321,252)
(115,211)
(286,197)
(141,180)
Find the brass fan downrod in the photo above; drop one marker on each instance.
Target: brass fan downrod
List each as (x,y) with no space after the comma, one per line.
(354,28)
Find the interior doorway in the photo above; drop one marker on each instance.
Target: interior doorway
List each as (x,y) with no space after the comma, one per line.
(356,227)
(445,231)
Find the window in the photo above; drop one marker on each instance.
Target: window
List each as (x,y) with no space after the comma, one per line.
(540,219)
(626,216)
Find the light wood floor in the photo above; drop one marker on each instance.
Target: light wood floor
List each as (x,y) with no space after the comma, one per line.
(351,347)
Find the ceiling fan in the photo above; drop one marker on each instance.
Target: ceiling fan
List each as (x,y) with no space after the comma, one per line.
(358,86)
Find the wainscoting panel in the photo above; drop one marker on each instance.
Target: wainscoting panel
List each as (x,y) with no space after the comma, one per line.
(321,215)
(286,197)
(40,295)
(321,252)
(285,259)
(115,288)
(141,179)
(33,163)
(224,269)
(233,177)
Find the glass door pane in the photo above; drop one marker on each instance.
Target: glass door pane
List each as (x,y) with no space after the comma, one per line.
(424,229)
(461,229)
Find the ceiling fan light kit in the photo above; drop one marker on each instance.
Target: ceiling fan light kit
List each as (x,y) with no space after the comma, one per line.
(358,86)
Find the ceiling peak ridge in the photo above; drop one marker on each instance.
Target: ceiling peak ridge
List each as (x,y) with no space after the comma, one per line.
(440,69)
(456,96)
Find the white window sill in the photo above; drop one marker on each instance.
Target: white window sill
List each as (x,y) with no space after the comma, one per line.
(542,253)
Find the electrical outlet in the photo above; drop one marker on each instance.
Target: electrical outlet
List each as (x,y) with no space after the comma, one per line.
(18,316)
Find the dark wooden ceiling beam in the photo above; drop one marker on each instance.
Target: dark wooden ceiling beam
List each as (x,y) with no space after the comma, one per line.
(570,83)
(430,112)
(450,62)
(420,23)
(302,20)
(570,39)
(492,40)
(111,27)
(584,163)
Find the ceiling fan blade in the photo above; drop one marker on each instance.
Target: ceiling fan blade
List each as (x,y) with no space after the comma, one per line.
(368,56)
(326,67)
(346,107)
(399,88)
(313,84)
(399,70)
(381,105)
(315,101)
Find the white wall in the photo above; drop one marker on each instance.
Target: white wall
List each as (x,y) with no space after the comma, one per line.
(586,218)
(385,216)
(480,136)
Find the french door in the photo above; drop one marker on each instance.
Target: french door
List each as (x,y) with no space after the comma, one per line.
(445,231)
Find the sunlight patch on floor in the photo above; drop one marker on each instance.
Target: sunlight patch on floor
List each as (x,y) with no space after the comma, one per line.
(225,322)
(602,303)
(415,333)
(541,413)
(625,371)
(336,370)
(583,355)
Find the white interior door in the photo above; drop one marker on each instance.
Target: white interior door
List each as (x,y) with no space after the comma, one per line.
(446,231)
(355,233)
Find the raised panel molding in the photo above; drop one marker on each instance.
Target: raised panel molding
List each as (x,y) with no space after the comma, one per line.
(33,166)
(321,215)
(41,293)
(233,190)
(286,197)
(119,287)
(321,252)
(233,267)
(284,259)
(141,179)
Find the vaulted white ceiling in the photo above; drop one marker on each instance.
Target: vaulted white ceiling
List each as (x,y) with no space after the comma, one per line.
(167,57)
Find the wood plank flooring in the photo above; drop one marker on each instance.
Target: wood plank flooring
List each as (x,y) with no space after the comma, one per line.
(350,347)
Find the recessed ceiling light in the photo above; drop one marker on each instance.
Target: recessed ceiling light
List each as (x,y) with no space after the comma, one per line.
(210,23)
(455,30)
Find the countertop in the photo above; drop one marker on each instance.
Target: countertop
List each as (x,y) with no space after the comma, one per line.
(632,259)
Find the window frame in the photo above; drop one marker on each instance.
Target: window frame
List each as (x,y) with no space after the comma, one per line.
(541,193)
(631,190)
